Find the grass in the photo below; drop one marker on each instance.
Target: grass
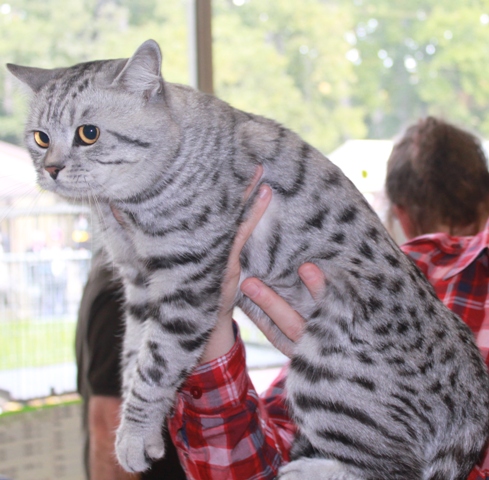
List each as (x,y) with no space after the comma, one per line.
(28,343)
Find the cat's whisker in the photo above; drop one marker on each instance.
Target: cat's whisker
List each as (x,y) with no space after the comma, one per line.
(13,191)
(96,204)
(101,231)
(95,207)
(36,198)
(17,203)
(117,198)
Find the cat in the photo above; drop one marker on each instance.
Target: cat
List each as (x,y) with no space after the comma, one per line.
(381,382)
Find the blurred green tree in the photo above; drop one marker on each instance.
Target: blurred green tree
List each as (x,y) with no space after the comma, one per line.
(329,69)
(56,33)
(288,60)
(422,57)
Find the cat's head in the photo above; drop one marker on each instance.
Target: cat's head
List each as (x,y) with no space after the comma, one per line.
(99,129)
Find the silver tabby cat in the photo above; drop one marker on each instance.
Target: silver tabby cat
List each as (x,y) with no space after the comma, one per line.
(386,383)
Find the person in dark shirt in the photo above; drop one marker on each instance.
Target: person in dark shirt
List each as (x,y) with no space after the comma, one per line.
(99,336)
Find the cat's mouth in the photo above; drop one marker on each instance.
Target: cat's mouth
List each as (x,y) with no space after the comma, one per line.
(66,185)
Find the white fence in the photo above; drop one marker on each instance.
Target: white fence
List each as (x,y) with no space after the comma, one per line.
(39,299)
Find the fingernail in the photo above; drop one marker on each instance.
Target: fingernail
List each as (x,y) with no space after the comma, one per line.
(308,272)
(250,289)
(264,191)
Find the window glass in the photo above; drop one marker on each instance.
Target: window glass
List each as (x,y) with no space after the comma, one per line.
(358,69)
(348,76)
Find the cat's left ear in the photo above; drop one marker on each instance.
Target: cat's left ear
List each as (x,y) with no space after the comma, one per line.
(33,77)
(142,73)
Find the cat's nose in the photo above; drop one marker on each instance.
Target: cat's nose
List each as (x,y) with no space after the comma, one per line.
(53,170)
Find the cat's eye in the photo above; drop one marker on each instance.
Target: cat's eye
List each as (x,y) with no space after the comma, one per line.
(88,134)
(41,139)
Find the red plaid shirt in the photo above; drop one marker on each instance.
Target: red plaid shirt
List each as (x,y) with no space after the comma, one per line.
(458,269)
(224,431)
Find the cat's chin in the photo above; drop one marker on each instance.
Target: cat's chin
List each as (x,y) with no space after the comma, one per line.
(71,194)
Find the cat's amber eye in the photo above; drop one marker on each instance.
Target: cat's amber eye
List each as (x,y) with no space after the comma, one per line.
(41,139)
(88,134)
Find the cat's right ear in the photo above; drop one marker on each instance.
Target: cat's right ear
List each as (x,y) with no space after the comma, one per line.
(34,78)
(142,73)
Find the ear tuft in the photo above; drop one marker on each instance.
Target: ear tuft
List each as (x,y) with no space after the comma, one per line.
(142,73)
(35,78)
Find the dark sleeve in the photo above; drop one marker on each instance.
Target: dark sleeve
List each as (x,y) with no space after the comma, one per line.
(104,343)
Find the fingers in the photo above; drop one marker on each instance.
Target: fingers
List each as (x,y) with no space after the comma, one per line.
(233,269)
(254,182)
(281,313)
(313,278)
(246,229)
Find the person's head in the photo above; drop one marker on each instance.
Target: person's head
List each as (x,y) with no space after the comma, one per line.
(438,180)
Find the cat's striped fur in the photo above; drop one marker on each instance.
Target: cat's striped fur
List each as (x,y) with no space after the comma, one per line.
(381,384)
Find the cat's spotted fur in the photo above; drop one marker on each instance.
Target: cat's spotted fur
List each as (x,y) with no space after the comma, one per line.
(385,383)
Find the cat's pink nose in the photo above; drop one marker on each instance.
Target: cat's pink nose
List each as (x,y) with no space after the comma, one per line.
(53,170)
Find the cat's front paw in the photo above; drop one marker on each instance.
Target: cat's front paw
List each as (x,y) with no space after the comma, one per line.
(136,448)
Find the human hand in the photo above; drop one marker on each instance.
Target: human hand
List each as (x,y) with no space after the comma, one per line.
(282,314)
(222,338)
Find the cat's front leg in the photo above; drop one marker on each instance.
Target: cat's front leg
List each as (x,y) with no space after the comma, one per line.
(170,348)
(136,315)
(133,338)
(119,244)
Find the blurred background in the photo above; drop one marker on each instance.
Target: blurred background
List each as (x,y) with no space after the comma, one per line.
(347,75)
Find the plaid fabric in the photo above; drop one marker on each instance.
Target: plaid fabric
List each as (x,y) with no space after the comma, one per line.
(477,474)
(224,431)
(458,269)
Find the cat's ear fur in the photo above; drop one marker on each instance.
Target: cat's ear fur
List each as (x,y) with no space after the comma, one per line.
(142,72)
(34,78)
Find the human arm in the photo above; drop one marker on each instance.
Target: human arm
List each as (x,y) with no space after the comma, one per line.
(221,427)
(283,315)
(223,430)
(102,372)
(103,420)
(223,338)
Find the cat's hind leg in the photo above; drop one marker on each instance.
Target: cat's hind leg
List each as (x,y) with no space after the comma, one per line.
(315,469)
